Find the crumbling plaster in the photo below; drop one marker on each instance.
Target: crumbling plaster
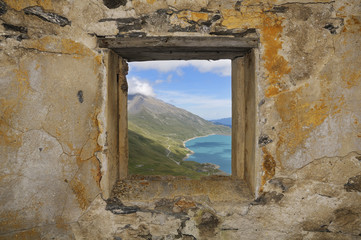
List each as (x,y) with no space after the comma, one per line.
(53,122)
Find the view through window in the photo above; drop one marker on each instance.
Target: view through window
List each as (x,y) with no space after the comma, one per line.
(179,118)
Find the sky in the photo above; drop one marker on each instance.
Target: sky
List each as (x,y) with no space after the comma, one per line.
(201,87)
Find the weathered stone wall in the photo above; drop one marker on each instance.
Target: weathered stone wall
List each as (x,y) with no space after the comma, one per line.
(53,125)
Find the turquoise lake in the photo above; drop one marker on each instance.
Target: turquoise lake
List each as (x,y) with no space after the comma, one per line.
(216,149)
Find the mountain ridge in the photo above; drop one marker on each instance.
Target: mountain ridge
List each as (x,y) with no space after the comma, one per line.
(223,121)
(160,117)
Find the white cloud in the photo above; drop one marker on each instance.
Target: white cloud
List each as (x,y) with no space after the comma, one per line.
(169,78)
(207,107)
(160,66)
(135,85)
(220,67)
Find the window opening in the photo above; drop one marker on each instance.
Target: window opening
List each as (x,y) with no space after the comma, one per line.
(179,118)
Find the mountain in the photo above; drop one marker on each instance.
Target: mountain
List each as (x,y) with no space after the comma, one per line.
(223,121)
(156,134)
(160,118)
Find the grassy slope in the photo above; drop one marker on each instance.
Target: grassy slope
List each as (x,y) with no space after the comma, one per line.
(150,135)
(172,126)
(148,157)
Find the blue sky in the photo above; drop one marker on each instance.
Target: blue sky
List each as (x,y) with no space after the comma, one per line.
(199,86)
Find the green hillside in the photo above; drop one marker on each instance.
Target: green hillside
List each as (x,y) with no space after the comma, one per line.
(156,134)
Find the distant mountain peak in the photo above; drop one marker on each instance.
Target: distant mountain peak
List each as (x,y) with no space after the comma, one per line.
(223,121)
(139,102)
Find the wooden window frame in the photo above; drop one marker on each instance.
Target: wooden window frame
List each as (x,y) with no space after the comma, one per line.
(242,52)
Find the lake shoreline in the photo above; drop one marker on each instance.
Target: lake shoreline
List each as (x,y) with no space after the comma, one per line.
(191,152)
(208,162)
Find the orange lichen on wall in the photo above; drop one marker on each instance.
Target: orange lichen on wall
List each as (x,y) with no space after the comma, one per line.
(151,1)
(268,167)
(275,64)
(27,234)
(10,103)
(96,171)
(89,150)
(21,4)
(19,88)
(271,30)
(300,116)
(22,78)
(58,45)
(183,204)
(8,137)
(193,16)
(351,78)
(352,25)
(233,19)
(60,223)
(69,46)
(80,192)
(9,220)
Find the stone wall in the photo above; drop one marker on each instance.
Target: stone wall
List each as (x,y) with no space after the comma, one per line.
(54,168)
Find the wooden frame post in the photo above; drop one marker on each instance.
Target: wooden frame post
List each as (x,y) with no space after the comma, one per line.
(238,117)
(123,118)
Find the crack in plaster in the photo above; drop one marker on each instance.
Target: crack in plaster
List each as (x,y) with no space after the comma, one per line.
(60,143)
(89,208)
(3,120)
(338,158)
(307,3)
(37,226)
(50,52)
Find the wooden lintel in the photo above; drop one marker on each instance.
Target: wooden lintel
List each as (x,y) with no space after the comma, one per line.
(218,42)
(144,55)
(174,48)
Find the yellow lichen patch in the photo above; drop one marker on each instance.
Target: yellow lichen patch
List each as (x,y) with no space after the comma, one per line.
(10,103)
(150,1)
(60,224)
(21,4)
(275,64)
(352,25)
(268,166)
(72,149)
(7,136)
(271,30)
(300,116)
(23,84)
(233,19)
(272,91)
(23,235)
(193,16)
(46,44)
(89,150)
(80,192)
(9,221)
(57,45)
(98,61)
(19,88)
(96,171)
(27,234)
(351,78)
(183,204)
(71,47)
